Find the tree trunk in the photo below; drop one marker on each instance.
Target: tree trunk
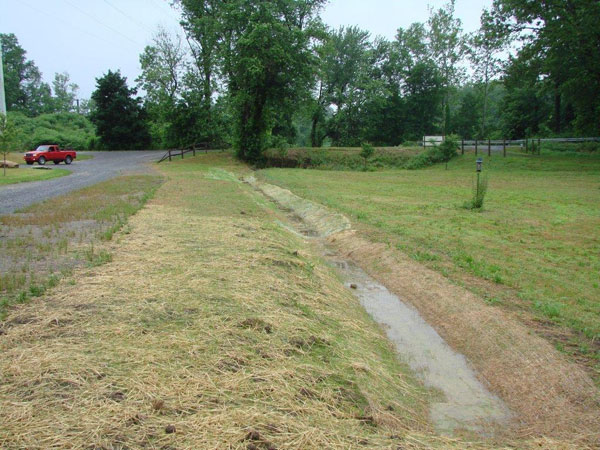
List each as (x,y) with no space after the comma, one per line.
(557,108)
(314,139)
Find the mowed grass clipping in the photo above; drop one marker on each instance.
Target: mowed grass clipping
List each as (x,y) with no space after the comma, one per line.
(212,327)
(535,247)
(46,241)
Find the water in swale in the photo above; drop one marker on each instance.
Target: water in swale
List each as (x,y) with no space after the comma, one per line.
(467,403)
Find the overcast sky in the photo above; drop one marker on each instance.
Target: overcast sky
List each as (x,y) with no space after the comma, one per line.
(88,37)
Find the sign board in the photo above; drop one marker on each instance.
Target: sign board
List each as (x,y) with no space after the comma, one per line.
(432,141)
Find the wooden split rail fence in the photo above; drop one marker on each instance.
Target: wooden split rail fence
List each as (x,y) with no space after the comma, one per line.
(198,147)
(487,144)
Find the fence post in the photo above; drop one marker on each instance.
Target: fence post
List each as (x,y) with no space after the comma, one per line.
(169,155)
(489,147)
(475,147)
(539,146)
(181,153)
(462,147)
(504,147)
(194,150)
(526,145)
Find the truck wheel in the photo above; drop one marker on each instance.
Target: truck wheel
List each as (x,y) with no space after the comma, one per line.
(42,161)
(68,159)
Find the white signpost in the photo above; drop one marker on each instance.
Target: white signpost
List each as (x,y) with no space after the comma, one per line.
(432,141)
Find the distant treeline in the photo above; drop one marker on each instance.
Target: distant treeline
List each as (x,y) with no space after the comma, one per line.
(269,74)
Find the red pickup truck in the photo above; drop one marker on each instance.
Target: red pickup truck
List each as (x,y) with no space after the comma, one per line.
(49,153)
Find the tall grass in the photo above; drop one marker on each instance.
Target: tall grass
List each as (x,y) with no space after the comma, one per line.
(480,188)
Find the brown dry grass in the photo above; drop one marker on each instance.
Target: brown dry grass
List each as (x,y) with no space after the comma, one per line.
(552,396)
(211,328)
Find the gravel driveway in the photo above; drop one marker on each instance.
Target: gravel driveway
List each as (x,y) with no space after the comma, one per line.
(103,166)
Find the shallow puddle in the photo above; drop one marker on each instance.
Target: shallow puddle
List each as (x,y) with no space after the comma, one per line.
(468,404)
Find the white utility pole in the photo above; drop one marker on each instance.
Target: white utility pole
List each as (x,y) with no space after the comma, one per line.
(2,95)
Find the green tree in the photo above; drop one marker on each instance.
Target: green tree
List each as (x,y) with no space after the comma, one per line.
(25,90)
(564,38)
(163,70)
(366,152)
(118,115)
(448,149)
(485,48)
(264,54)
(465,120)
(341,81)
(8,138)
(447,48)
(424,92)
(65,93)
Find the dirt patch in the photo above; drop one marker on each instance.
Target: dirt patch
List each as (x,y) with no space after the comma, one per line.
(552,396)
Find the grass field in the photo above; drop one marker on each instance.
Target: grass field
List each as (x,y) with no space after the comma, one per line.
(212,327)
(534,249)
(22,175)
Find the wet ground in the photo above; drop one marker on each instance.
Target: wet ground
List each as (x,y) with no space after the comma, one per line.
(465,402)
(103,166)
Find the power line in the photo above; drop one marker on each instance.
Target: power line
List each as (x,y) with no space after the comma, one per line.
(100,22)
(168,9)
(60,19)
(123,13)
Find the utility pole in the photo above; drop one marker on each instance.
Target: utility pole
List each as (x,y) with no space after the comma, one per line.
(2,95)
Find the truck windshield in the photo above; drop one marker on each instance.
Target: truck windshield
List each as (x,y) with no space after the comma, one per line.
(43,148)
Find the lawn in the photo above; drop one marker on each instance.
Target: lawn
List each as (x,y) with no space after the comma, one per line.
(212,327)
(22,175)
(534,249)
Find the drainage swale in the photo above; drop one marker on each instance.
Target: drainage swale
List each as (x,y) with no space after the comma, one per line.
(467,403)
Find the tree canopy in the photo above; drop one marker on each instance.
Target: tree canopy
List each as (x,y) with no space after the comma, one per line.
(118,116)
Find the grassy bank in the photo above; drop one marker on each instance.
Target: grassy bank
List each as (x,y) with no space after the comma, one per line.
(534,249)
(46,241)
(340,158)
(212,327)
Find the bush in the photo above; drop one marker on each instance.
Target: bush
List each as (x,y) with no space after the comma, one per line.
(64,129)
(427,158)
(449,148)
(366,152)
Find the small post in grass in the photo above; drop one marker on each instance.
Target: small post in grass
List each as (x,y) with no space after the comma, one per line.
(504,147)
(489,147)
(462,147)
(479,164)
(475,147)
